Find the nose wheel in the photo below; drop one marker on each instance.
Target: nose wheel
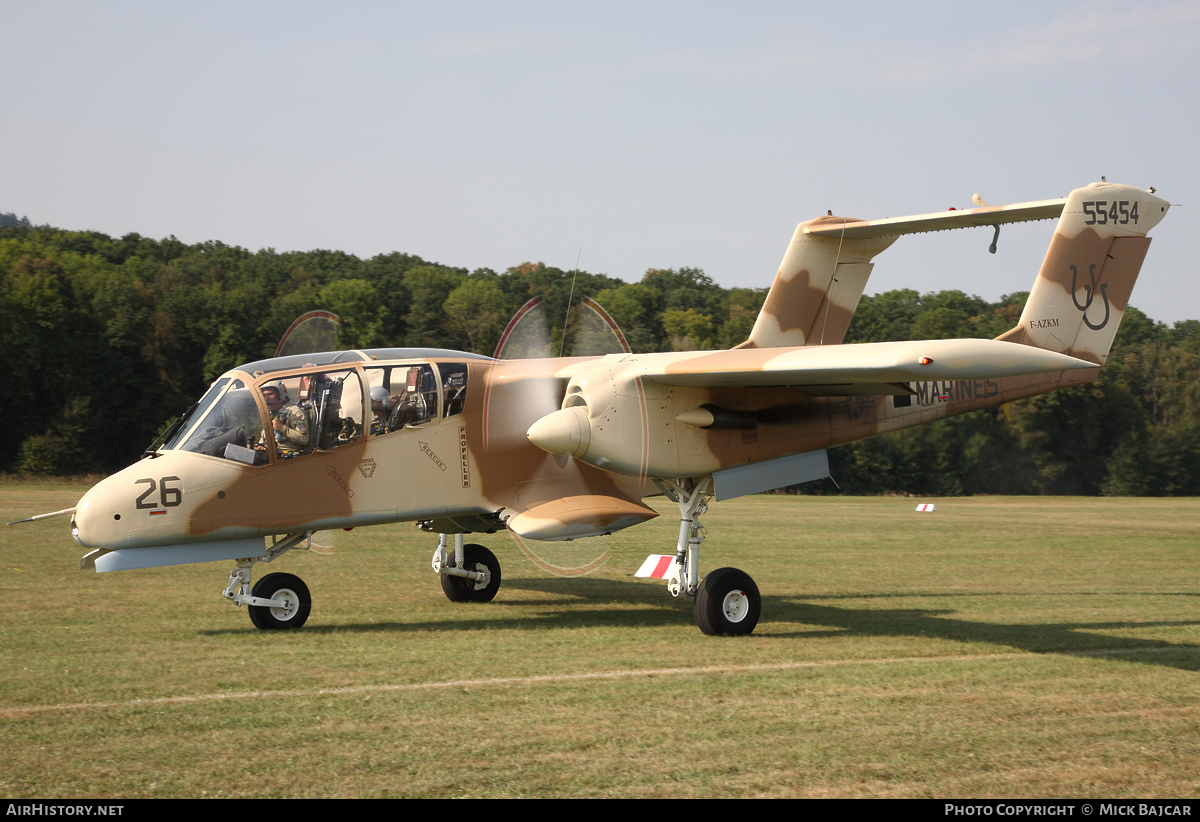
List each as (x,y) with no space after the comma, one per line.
(277,601)
(291,602)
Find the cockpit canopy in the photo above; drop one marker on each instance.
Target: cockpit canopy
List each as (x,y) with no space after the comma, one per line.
(289,407)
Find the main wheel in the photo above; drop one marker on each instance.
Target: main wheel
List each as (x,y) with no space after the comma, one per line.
(294,593)
(461,589)
(727,603)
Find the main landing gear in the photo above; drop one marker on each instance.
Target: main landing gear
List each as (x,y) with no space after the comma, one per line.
(727,602)
(471,573)
(278,601)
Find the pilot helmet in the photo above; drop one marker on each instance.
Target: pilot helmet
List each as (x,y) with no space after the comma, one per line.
(279,388)
(381,400)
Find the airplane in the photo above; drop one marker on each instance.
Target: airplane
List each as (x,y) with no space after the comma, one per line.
(568,448)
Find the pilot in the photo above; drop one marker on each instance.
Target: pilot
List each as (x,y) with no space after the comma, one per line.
(381,406)
(290,422)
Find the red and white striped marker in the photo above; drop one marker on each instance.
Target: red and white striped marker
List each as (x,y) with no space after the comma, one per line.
(926,506)
(656,566)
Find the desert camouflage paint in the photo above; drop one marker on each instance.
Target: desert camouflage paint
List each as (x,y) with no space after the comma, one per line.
(567,448)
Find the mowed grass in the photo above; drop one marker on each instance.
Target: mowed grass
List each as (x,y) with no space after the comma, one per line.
(1000,647)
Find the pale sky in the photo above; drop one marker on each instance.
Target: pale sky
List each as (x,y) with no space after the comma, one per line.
(634,135)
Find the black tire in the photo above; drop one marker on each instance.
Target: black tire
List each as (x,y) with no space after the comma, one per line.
(460,589)
(727,603)
(293,589)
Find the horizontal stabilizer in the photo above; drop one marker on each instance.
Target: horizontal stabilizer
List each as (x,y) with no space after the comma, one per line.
(940,220)
(851,366)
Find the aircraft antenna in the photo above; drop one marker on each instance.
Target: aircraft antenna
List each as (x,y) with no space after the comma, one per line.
(562,344)
(832,280)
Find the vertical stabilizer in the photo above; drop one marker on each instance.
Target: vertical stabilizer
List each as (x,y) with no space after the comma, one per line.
(1094,258)
(817,288)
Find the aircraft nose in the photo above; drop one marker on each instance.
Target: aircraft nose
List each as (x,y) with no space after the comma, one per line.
(83,521)
(102,517)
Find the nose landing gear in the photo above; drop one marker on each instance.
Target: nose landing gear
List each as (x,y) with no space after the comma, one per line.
(294,602)
(278,602)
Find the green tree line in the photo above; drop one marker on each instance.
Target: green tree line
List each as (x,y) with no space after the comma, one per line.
(107,339)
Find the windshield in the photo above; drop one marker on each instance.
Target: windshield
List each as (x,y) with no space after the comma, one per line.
(230,424)
(316,410)
(197,413)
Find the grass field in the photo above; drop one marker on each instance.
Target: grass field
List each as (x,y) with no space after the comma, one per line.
(1001,647)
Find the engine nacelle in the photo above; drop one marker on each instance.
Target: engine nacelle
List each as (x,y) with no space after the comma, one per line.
(614,420)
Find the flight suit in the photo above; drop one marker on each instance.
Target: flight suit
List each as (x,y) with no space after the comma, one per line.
(291,437)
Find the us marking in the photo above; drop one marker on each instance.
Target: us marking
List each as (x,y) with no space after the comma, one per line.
(853,407)
(1090,290)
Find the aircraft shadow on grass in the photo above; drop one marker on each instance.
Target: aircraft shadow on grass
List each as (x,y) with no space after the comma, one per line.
(1071,638)
(571,601)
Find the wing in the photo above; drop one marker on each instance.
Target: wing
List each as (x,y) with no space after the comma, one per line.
(866,368)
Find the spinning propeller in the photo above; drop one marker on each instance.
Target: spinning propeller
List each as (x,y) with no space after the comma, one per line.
(517,400)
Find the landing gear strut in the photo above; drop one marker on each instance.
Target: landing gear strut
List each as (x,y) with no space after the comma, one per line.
(278,601)
(727,601)
(470,574)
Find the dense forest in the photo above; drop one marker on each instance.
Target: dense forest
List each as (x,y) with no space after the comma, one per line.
(106,340)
